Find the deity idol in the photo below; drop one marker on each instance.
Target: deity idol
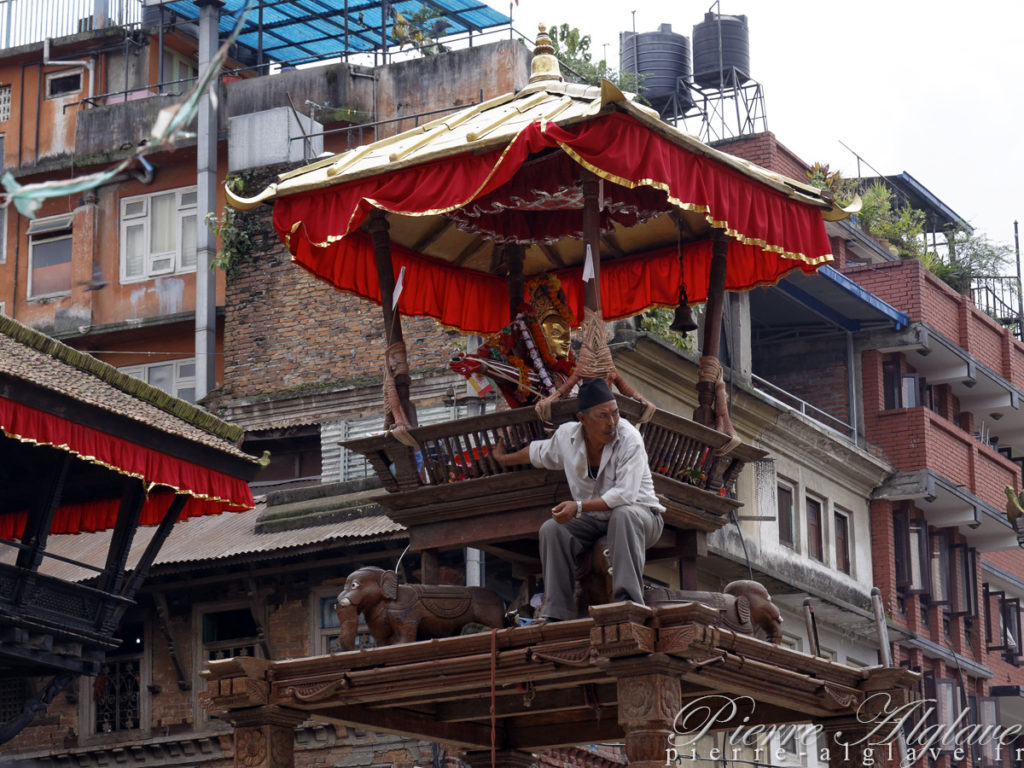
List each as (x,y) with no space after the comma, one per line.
(531,359)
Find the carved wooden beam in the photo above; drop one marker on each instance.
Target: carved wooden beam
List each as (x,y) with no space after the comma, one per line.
(37,527)
(133,497)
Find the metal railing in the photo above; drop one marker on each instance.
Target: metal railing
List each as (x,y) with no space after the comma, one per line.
(999,297)
(23,22)
(791,401)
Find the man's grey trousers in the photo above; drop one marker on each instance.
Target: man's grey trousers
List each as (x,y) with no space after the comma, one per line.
(630,531)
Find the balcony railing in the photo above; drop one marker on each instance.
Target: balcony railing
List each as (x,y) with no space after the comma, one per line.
(23,22)
(999,297)
(451,466)
(789,400)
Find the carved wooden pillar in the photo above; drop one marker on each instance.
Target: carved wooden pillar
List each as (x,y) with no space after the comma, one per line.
(845,739)
(238,692)
(265,737)
(512,253)
(592,237)
(694,547)
(378,227)
(705,411)
(649,694)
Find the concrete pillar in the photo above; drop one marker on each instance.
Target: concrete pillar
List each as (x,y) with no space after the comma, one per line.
(739,336)
(206,202)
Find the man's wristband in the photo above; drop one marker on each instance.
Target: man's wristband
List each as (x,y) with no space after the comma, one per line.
(579,509)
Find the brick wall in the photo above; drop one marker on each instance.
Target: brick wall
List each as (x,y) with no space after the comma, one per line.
(911,288)
(288,331)
(765,150)
(815,372)
(883,553)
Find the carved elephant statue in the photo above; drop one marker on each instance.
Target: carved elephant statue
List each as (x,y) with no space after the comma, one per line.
(402,613)
(743,606)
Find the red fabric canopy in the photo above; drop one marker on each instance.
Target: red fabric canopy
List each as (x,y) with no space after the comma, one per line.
(771,233)
(211,492)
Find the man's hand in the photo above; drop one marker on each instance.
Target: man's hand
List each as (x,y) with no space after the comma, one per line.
(564,512)
(500,451)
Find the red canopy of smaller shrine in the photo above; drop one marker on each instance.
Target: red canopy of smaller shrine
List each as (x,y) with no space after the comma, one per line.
(210,491)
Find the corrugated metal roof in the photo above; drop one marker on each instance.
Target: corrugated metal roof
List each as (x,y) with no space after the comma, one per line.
(312,30)
(206,539)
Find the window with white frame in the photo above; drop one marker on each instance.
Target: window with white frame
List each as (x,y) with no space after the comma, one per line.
(158,234)
(5,103)
(182,72)
(3,211)
(1003,624)
(116,700)
(67,82)
(49,255)
(175,377)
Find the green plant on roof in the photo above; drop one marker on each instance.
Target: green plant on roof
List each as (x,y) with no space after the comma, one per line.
(842,190)
(899,225)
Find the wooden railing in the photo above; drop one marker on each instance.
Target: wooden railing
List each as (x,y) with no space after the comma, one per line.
(678,449)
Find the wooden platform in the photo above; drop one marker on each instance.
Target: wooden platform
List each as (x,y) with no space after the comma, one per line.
(448,491)
(576,682)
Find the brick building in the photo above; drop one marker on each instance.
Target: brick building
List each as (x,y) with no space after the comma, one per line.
(874,387)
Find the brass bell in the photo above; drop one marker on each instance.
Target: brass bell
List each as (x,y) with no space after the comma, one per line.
(683,321)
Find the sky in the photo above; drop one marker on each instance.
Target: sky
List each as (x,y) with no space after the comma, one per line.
(933,89)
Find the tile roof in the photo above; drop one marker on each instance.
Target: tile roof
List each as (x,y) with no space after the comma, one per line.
(32,357)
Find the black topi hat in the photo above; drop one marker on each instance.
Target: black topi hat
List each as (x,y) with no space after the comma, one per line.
(593,392)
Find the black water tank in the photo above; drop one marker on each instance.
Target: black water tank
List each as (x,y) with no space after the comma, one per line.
(711,67)
(661,57)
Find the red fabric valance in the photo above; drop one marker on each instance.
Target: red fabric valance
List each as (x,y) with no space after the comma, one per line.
(212,492)
(771,233)
(476,302)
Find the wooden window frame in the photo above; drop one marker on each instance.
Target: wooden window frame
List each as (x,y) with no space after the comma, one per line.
(843,547)
(815,545)
(789,515)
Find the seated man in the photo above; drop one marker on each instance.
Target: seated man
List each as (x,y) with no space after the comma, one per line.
(605,464)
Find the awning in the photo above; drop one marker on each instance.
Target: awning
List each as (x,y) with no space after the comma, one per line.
(212,492)
(311,30)
(832,296)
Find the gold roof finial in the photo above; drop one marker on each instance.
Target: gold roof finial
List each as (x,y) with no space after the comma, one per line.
(545,65)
